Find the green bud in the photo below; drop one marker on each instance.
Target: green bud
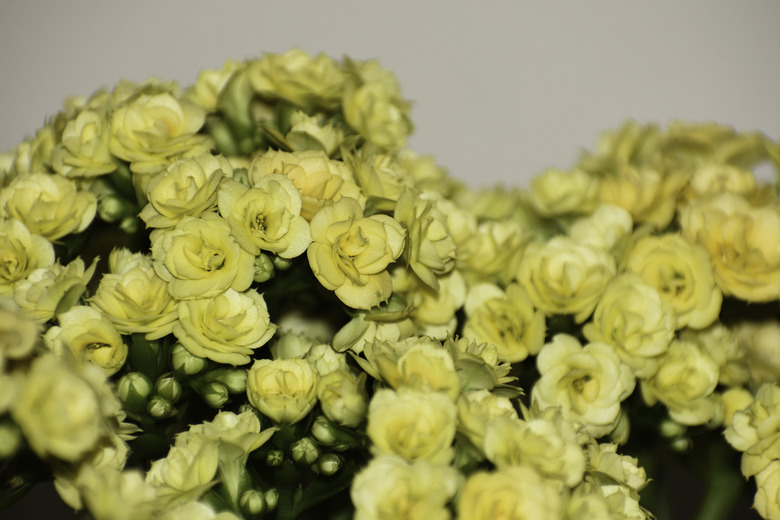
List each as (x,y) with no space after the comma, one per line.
(113,208)
(130,225)
(670,428)
(275,458)
(329,464)
(680,444)
(252,503)
(242,175)
(133,390)
(272,498)
(324,431)
(264,268)
(185,363)
(215,394)
(169,388)
(10,439)
(160,408)
(233,378)
(305,451)
(282,264)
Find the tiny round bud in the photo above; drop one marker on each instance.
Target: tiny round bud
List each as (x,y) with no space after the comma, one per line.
(133,390)
(113,208)
(324,431)
(670,429)
(159,407)
(130,224)
(215,394)
(185,363)
(272,498)
(275,458)
(169,388)
(233,378)
(252,503)
(305,451)
(329,464)
(264,268)
(282,263)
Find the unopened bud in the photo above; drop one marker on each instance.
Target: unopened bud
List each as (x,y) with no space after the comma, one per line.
(10,439)
(305,451)
(215,394)
(282,264)
(185,363)
(159,407)
(272,498)
(329,464)
(264,268)
(169,388)
(113,208)
(134,389)
(233,378)
(670,429)
(275,458)
(252,503)
(130,224)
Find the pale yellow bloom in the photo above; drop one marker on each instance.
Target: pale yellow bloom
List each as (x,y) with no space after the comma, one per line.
(112,494)
(557,193)
(755,431)
(604,228)
(21,252)
(185,473)
(489,252)
(433,312)
(83,150)
(209,83)
(604,458)
(760,343)
(313,133)
(226,328)
(343,398)
(378,113)
(477,409)
(350,253)
(767,499)
(241,430)
(48,205)
(198,258)
(284,390)
(18,334)
(710,178)
(265,217)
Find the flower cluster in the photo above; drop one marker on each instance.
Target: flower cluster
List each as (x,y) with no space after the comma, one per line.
(249,299)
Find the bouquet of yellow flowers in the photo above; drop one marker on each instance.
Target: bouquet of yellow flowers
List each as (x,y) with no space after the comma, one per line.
(250,299)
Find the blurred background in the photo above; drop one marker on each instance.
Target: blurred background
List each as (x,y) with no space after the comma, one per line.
(501,89)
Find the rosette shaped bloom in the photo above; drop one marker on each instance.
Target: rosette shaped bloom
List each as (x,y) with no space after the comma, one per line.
(149,131)
(349,253)
(134,297)
(318,179)
(88,336)
(265,217)
(755,430)
(342,397)
(199,258)
(226,328)
(685,382)
(296,77)
(564,277)
(284,390)
(390,487)
(558,193)
(48,205)
(604,228)
(185,473)
(188,187)
(477,409)
(682,272)
(488,252)
(52,289)
(413,425)
(240,430)
(21,252)
(588,383)
(516,493)
(506,319)
(632,317)
(624,469)
(759,342)
(767,499)
(18,336)
(743,242)
(209,83)
(83,150)
(378,113)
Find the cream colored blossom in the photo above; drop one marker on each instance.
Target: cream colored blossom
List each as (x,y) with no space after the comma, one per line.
(185,473)
(48,205)
(297,77)
(710,178)
(342,397)
(624,469)
(198,258)
(317,178)
(743,242)
(390,487)
(557,193)
(433,312)
(760,343)
(266,216)
(313,133)
(604,228)
(209,84)
(721,344)
(284,390)
(514,493)
(52,289)
(88,336)
(506,319)
(411,424)
(488,252)
(564,277)
(226,328)
(477,409)
(187,187)
(21,252)
(380,177)
(364,329)
(685,382)
(588,383)
(767,499)
(113,494)
(632,317)
(18,334)
(83,150)
(755,430)
(682,273)
(349,253)
(150,131)
(240,430)
(378,113)
(134,297)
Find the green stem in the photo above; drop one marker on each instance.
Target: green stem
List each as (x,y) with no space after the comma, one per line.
(724,484)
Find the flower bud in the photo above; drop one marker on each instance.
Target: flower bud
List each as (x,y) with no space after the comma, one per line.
(130,224)
(670,428)
(169,388)
(252,503)
(134,390)
(10,439)
(264,268)
(329,464)
(324,431)
(275,458)
(272,498)
(113,208)
(282,263)
(233,378)
(160,408)
(215,394)
(305,451)
(186,364)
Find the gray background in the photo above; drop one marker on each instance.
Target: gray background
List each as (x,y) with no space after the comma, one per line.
(501,89)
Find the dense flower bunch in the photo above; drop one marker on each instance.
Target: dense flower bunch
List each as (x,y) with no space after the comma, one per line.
(250,299)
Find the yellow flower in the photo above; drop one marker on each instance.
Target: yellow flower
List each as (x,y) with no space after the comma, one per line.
(185,473)
(240,430)
(682,273)
(710,178)
(604,458)
(83,151)
(313,133)
(564,277)
(209,83)
(390,487)
(558,193)
(226,328)
(685,382)
(109,492)
(754,430)
(488,252)
(604,228)
(477,409)
(18,334)
(514,493)
(284,390)
(506,319)
(90,337)
(349,253)
(134,298)
(411,424)
(187,187)
(198,258)
(632,317)
(588,383)
(149,131)
(767,499)
(342,396)
(265,217)
(21,252)
(378,113)
(433,312)
(318,179)
(760,343)
(743,242)
(49,205)
(298,78)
